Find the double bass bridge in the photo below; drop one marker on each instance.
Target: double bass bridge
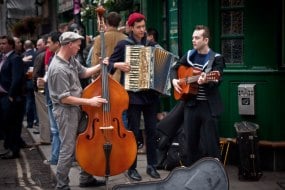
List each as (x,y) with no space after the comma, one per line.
(107,127)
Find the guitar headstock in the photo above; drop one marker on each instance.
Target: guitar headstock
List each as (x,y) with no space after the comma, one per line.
(213,76)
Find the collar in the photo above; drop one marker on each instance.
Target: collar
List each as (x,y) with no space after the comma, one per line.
(9,53)
(112,29)
(142,42)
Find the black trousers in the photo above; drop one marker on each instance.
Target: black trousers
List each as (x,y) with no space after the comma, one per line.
(134,116)
(11,118)
(201,133)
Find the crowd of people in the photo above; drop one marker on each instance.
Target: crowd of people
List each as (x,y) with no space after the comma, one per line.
(41,84)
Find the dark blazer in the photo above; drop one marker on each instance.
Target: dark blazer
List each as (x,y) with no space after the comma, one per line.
(12,75)
(39,67)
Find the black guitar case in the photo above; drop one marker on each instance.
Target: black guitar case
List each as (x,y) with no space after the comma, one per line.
(167,128)
(205,174)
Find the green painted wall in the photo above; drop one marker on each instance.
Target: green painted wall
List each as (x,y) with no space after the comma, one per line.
(192,13)
(263,58)
(269,103)
(262,34)
(155,17)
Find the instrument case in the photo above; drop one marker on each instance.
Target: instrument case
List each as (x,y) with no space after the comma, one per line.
(205,174)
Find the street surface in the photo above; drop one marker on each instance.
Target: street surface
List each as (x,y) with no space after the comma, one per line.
(29,172)
(26,173)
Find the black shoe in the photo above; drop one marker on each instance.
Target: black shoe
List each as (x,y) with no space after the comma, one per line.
(151,171)
(93,183)
(134,175)
(36,132)
(10,155)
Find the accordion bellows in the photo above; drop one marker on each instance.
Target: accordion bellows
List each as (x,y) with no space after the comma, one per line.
(150,69)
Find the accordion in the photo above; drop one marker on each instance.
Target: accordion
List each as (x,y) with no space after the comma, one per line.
(150,69)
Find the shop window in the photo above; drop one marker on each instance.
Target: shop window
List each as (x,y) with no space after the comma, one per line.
(232,30)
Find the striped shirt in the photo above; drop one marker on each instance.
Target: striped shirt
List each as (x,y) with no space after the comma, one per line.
(199,60)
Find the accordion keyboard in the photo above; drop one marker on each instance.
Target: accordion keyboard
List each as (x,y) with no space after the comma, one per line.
(139,59)
(150,69)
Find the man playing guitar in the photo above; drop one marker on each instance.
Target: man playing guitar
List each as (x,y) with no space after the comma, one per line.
(195,78)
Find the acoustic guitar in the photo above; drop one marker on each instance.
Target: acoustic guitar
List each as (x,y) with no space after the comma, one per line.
(188,77)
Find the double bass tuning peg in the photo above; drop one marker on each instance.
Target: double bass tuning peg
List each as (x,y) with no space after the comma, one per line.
(100,12)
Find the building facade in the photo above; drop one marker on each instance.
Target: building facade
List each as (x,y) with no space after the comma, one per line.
(251,36)
(249,33)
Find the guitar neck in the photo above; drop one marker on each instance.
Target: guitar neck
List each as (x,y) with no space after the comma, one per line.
(192,79)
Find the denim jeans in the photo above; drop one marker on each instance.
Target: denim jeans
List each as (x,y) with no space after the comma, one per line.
(55,143)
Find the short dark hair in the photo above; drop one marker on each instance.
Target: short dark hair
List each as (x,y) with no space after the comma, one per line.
(153,32)
(113,19)
(45,37)
(206,33)
(54,36)
(9,39)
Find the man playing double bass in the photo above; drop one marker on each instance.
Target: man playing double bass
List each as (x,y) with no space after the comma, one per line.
(203,107)
(65,92)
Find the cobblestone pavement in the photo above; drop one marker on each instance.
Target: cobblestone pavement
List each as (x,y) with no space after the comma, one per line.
(16,174)
(27,172)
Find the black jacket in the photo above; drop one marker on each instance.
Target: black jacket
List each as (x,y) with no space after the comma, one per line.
(39,67)
(12,75)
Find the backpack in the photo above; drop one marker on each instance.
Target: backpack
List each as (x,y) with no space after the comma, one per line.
(172,156)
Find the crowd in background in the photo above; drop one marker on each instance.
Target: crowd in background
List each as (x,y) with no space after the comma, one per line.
(27,93)
(30,105)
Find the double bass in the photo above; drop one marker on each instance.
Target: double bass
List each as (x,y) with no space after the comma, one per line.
(105,148)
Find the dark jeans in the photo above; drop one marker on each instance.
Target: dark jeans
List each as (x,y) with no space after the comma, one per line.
(149,114)
(201,132)
(31,104)
(11,116)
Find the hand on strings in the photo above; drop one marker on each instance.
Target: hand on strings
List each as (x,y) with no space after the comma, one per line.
(176,85)
(202,79)
(97,68)
(105,60)
(97,101)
